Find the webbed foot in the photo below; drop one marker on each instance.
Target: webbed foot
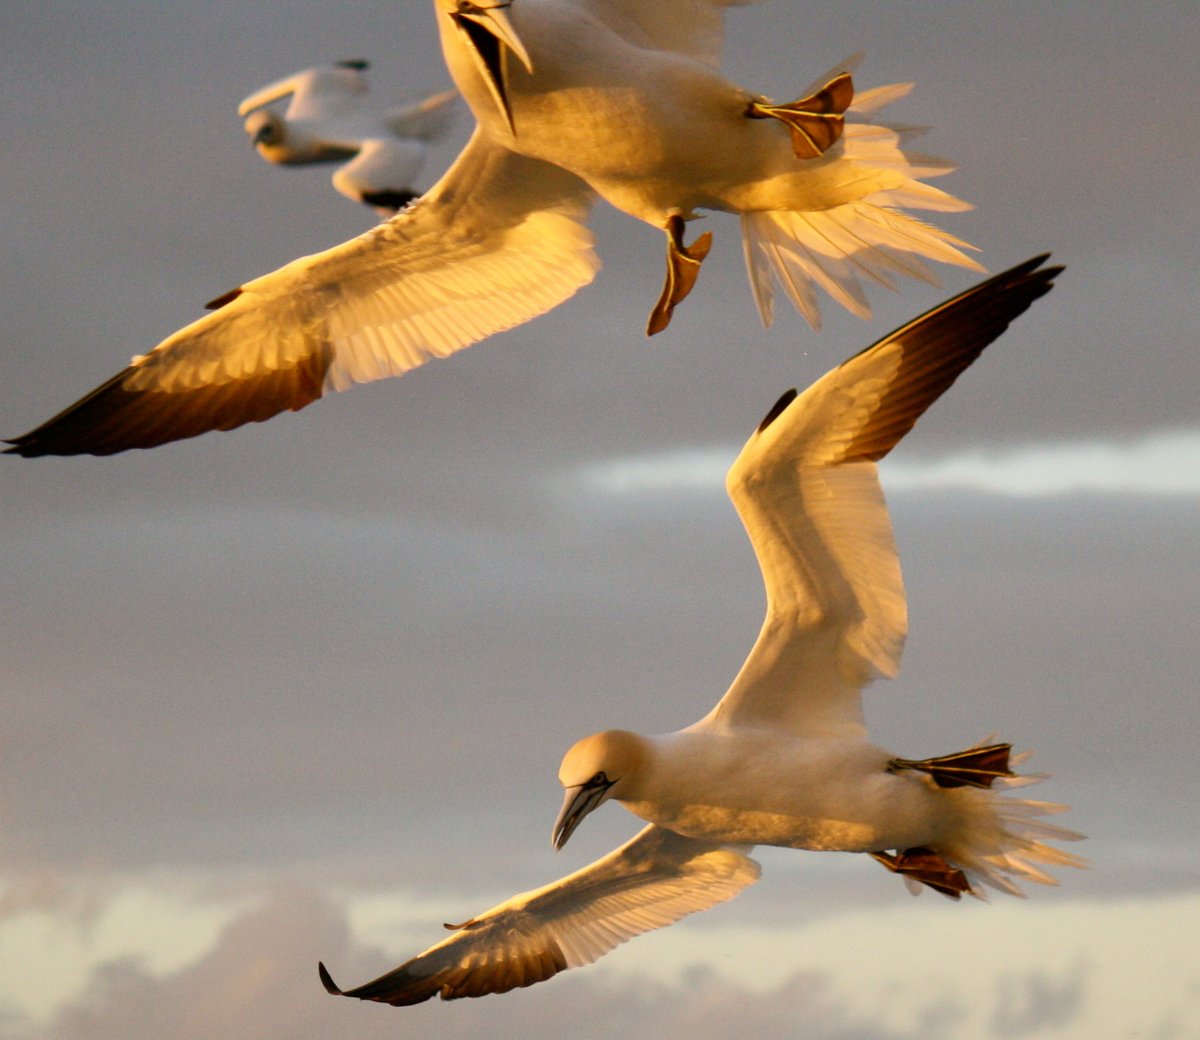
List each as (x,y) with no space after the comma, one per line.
(816,121)
(926,866)
(975,767)
(683,266)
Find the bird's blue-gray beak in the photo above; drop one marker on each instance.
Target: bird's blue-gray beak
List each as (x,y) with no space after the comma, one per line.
(490,39)
(577,803)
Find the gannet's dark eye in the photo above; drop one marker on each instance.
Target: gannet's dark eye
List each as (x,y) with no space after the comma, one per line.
(599,780)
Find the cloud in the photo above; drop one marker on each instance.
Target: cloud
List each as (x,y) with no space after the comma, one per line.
(1030,1002)
(918,968)
(1158,464)
(259,980)
(921,968)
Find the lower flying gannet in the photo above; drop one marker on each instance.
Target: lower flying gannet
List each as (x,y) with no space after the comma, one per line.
(783,759)
(573,100)
(327,121)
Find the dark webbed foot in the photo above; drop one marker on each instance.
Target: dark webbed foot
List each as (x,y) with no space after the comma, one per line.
(816,121)
(926,866)
(683,266)
(975,767)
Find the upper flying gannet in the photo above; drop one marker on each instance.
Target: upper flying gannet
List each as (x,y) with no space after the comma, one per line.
(573,99)
(326,121)
(783,758)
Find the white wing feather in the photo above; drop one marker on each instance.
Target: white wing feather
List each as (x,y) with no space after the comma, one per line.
(807,490)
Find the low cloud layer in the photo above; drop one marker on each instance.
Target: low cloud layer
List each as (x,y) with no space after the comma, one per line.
(1024,972)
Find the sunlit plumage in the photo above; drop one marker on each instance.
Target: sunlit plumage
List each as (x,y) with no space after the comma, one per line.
(783,758)
(574,100)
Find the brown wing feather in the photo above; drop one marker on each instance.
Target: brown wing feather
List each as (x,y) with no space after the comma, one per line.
(112,419)
(939,346)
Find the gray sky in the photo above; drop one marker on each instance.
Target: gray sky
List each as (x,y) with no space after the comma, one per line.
(301,690)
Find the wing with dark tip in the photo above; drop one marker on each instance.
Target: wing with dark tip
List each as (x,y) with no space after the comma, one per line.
(807,490)
(499,240)
(647,883)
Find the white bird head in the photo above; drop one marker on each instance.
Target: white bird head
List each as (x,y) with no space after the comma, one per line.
(592,771)
(489,37)
(268,133)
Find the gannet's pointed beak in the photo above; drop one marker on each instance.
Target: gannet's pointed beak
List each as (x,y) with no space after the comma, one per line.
(490,39)
(577,803)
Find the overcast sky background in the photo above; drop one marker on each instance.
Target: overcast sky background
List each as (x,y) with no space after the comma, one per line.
(300,691)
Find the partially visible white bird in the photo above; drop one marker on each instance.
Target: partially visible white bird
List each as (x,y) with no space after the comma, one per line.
(573,99)
(783,759)
(326,120)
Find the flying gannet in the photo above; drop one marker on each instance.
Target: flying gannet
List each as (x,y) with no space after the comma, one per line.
(327,121)
(783,759)
(573,99)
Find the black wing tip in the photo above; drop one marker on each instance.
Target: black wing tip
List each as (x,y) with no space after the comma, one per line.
(1030,279)
(331,987)
(778,408)
(393,199)
(34,446)
(31,447)
(358,64)
(1030,271)
(217,302)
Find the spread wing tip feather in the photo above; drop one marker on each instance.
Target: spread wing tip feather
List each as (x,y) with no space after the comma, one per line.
(113,419)
(331,987)
(937,347)
(395,988)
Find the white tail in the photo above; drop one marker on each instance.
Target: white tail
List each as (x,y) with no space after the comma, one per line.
(868,234)
(1001,838)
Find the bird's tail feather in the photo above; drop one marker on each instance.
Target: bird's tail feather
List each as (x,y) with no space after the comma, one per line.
(868,236)
(1002,839)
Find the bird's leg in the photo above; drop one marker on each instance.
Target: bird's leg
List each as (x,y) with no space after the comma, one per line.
(975,767)
(683,265)
(816,121)
(926,866)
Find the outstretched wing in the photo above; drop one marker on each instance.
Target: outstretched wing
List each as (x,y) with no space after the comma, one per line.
(324,92)
(499,240)
(691,27)
(807,490)
(650,882)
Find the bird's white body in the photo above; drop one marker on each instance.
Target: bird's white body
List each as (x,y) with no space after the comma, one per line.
(653,132)
(657,132)
(756,787)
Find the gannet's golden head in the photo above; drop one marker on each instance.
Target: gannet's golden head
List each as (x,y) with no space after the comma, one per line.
(594,770)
